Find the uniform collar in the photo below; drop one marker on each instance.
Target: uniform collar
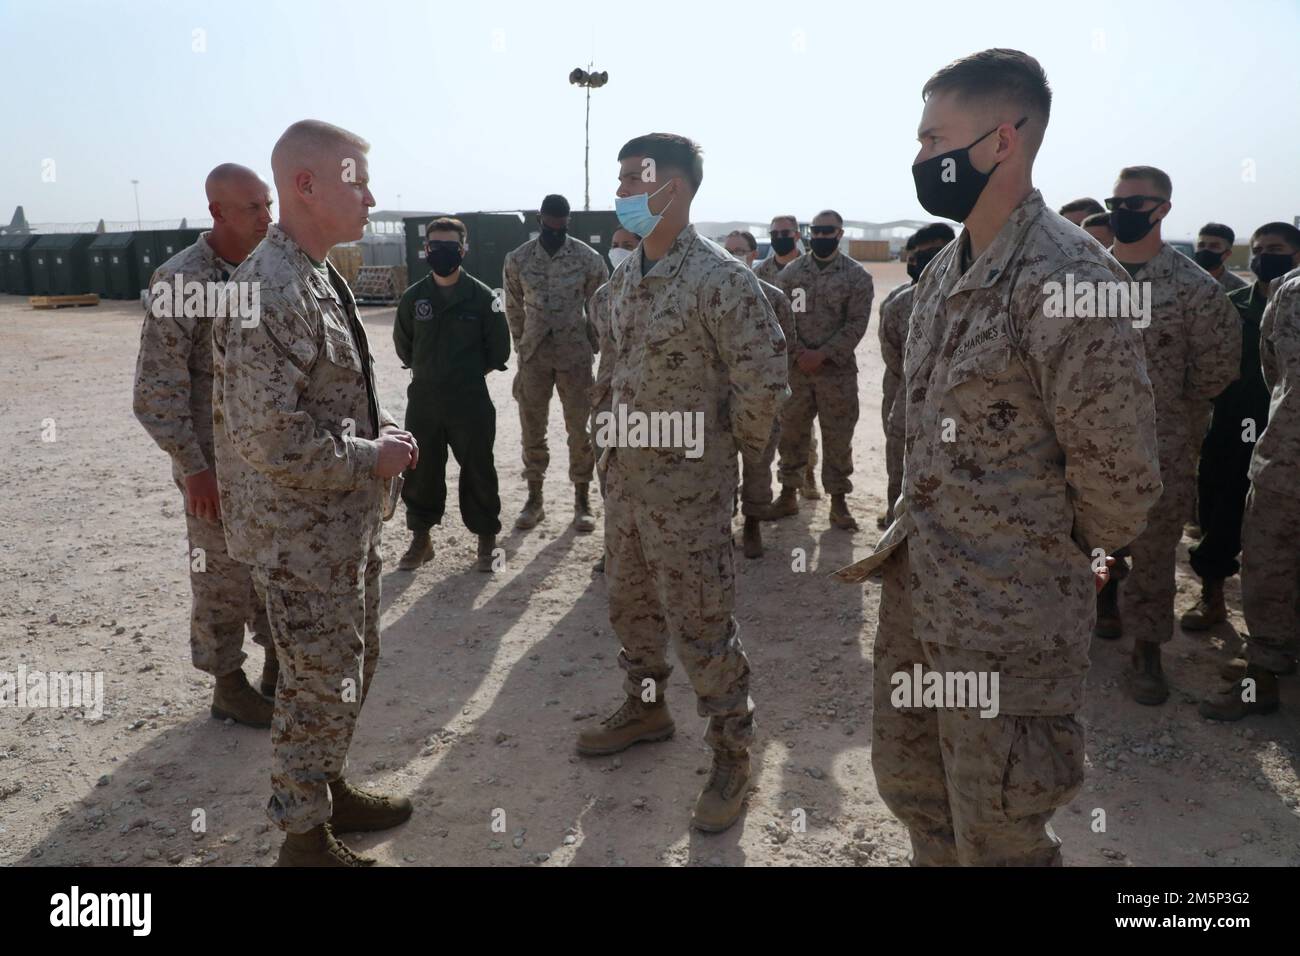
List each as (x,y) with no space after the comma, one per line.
(566,249)
(671,263)
(1161,265)
(302,264)
(993,261)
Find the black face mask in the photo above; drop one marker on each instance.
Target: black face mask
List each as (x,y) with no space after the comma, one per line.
(1267,266)
(1208,259)
(782,245)
(552,239)
(823,247)
(1130,226)
(919,261)
(444,257)
(948,185)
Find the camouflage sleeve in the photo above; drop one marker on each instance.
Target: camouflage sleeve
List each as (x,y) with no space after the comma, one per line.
(403,329)
(891,344)
(1268,362)
(514,296)
(266,370)
(841,345)
(593,331)
(496,343)
(162,388)
(1215,343)
(751,345)
(597,276)
(1091,375)
(785,319)
(787,280)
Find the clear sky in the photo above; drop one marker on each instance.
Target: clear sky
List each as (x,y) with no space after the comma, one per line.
(798,105)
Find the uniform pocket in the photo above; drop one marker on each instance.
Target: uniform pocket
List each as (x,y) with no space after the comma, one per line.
(340,351)
(988,364)
(1044,766)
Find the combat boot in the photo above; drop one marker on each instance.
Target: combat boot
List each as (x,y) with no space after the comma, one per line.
(270,673)
(234,699)
(1109,625)
(487,543)
(420,551)
(633,723)
(840,517)
(810,489)
(753,537)
(723,797)
(583,521)
(358,810)
(1147,678)
(1235,670)
(599,566)
(533,511)
(1229,704)
(319,847)
(786,504)
(1210,609)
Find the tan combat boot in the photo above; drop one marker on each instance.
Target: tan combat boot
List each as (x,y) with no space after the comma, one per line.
(234,699)
(319,847)
(633,723)
(357,810)
(840,517)
(533,511)
(1235,670)
(1231,705)
(1210,609)
(420,551)
(786,504)
(270,673)
(753,537)
(1147,678)
(723,797)
(1109,625)
(810,489)
(487,543)
(583,521)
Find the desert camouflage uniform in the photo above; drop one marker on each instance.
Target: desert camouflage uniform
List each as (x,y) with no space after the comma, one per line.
(894,313)
(1270,549)
(756,476)
(1031,441)
(296,414)
(832,313)
(768,269)
(1193,352)
(173,401)
(1230,280)
(599,334)
(695,334)
(545,298)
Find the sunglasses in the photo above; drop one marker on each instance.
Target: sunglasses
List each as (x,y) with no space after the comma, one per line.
(824,230)
(1133,203)
(783,233)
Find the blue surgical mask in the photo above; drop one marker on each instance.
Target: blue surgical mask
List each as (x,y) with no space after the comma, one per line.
(634,211)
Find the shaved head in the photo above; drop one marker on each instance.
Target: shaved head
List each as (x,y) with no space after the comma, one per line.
(322,178)
(240,204)
(229,177)
(311,144)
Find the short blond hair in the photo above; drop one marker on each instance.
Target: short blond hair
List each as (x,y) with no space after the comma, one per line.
(311,137)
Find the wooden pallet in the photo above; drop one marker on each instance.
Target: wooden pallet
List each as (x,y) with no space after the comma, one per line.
(59,301)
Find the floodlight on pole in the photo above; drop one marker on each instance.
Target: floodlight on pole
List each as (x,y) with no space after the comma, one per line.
(589,81)
(135,185)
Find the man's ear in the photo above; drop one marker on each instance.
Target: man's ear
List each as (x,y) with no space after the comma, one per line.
(304,183)
(1168,206)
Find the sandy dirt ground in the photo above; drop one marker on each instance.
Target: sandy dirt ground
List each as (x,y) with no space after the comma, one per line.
(485,679)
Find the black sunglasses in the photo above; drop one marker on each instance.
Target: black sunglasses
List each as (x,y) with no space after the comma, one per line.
(1133,203)
(824,230)
(783,233)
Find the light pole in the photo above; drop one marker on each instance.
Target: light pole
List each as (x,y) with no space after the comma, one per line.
(135,185)
(590,81)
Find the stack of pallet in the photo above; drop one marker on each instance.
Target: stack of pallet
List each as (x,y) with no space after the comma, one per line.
(379,285)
